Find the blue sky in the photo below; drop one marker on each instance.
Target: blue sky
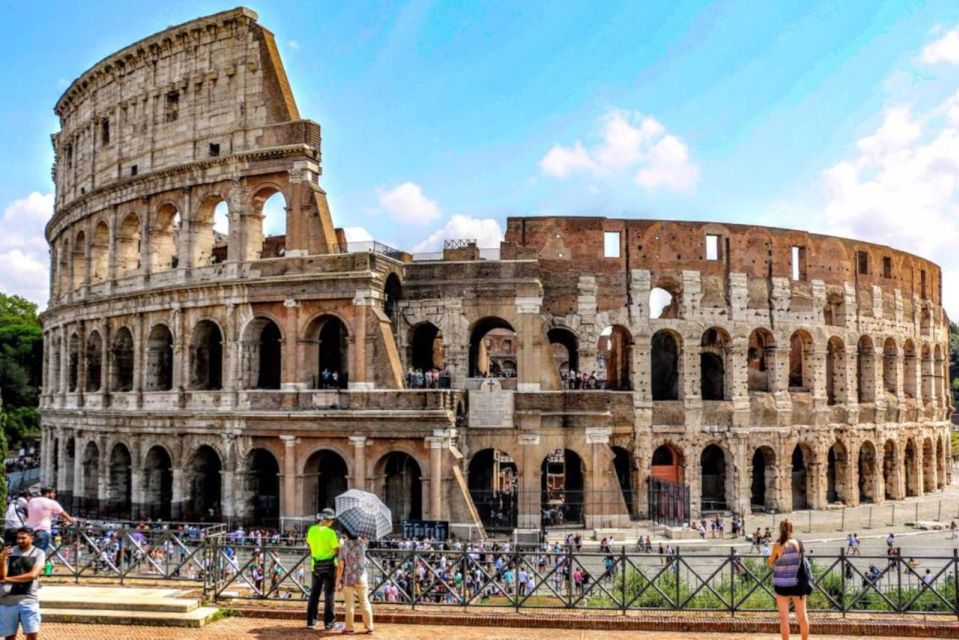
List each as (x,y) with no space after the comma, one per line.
(442,118)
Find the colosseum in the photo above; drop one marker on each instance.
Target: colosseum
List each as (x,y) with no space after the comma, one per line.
(588,371)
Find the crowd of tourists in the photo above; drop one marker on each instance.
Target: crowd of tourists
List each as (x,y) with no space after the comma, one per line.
(581,380)
(333,379)
(417,378)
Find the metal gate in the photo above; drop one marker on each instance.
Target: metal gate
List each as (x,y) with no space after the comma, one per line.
(668,502)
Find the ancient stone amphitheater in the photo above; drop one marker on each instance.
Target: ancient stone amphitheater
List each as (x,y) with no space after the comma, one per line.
(587,371)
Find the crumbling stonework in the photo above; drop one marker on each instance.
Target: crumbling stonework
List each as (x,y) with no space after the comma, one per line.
(190,374)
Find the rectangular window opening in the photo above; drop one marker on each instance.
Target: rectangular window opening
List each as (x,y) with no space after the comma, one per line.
(172,110)
(922,283)
(611,244)
(887,267)
(712,247)
(798,263)
(214,150)
(133,170)
(863,259)
(105,132)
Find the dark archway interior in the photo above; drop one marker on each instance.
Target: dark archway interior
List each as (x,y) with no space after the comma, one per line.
(333,351)
(565,339)
(623,466)
(667,464)
(265,488)
(404,487)
(665,366)
(123,361)
(890,472)
(329,472)
(427,347)
(478,360)
(205,485)
(392,294)
(713,466)
(712,366)
(207,348)
(120,486)
(867,472)
(160,359)
(157,484)
(94,362)
(492,482)
(799,479)
(562,485)
(759,478)
(268,374)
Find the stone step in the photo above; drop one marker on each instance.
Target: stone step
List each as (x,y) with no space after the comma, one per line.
(195,618)
(158,605)
(117,598)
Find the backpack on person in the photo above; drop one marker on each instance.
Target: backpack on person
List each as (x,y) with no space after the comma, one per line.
(791,570)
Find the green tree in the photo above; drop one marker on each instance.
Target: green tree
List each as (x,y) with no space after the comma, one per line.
(21,358)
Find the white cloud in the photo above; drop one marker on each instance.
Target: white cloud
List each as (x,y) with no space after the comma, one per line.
(630,144)
(902,189)
(24,256)
(945,49)
(485,231)
(293,44)
(357,234)
(406,203)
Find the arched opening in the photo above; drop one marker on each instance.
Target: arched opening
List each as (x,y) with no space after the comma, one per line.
(890,367)
(403,487)
(159,360)
(664,300)
(909,366)
(564,347)
(940,377)
(122,352)
(760,356)
(712,364)
(157,484)
(801,458)
(128,246)
(392,294)
(800,362)
(164,239)
(272,205)
(263,488)
(493,484)
(88,501)
(68,473)
(834,313)
(867,472)
(492,342)
(927,375)
(426,349)
(53,375)
(941,463)
(562,484)
(324,478)
(63,279)
(73,362)
(925,320)
(664,356)
(206,356)
(890,469)
(763,487)
(835,371)
(119,485)
(94,356)
(613,357)
(328,348)
(623,469)
(713,477)
(55,480)
(262,355)
(78,260)
(928,467)
(204,482)
(100,253)
(837,473)
(911,469)
(866,370)
(668,464)
(210,233)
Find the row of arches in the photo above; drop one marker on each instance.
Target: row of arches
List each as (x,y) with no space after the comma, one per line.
(261,355)
(166,240)
(149,492)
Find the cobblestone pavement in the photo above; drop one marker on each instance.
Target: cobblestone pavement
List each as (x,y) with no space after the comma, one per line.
(259,629)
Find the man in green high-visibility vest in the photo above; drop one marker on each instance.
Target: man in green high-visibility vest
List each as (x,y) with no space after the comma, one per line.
(324,545)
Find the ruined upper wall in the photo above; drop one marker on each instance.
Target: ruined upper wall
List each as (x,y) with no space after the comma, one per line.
(568,247)
(206,88)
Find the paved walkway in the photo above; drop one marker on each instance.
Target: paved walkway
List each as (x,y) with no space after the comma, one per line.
(258,629)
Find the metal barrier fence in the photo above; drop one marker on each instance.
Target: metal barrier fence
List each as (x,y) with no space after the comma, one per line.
(21,480)
(617,581)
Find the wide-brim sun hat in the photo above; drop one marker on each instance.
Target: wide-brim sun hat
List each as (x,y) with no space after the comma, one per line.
(326,514)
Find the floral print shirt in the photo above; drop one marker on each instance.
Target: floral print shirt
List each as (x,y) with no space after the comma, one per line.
(353,557)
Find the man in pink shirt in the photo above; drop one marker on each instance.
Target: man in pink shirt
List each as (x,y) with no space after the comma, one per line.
(40,513)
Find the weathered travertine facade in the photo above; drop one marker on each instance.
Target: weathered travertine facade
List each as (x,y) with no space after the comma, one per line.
(189,372)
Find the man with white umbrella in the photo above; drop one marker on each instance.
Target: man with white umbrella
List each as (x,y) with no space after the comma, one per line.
(324,547)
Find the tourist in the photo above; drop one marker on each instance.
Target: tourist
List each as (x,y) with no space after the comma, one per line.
(890,540)
(40,513)
(954,529)
(351,579)
(789,583)
(324,546)
(16,517)
(855,545)
(20,568)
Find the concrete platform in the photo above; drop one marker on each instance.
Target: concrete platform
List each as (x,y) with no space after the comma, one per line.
(123,605)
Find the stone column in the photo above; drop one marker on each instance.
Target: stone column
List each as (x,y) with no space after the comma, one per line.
(231,353)
(291,351)
(599,497)
(62,462)
(180,354)
(139,358)
(359,462)
(530,340)
(227,494)
(64,364)
(529,515)
(78,489)
(288,504)
(435,443)
(358,375)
